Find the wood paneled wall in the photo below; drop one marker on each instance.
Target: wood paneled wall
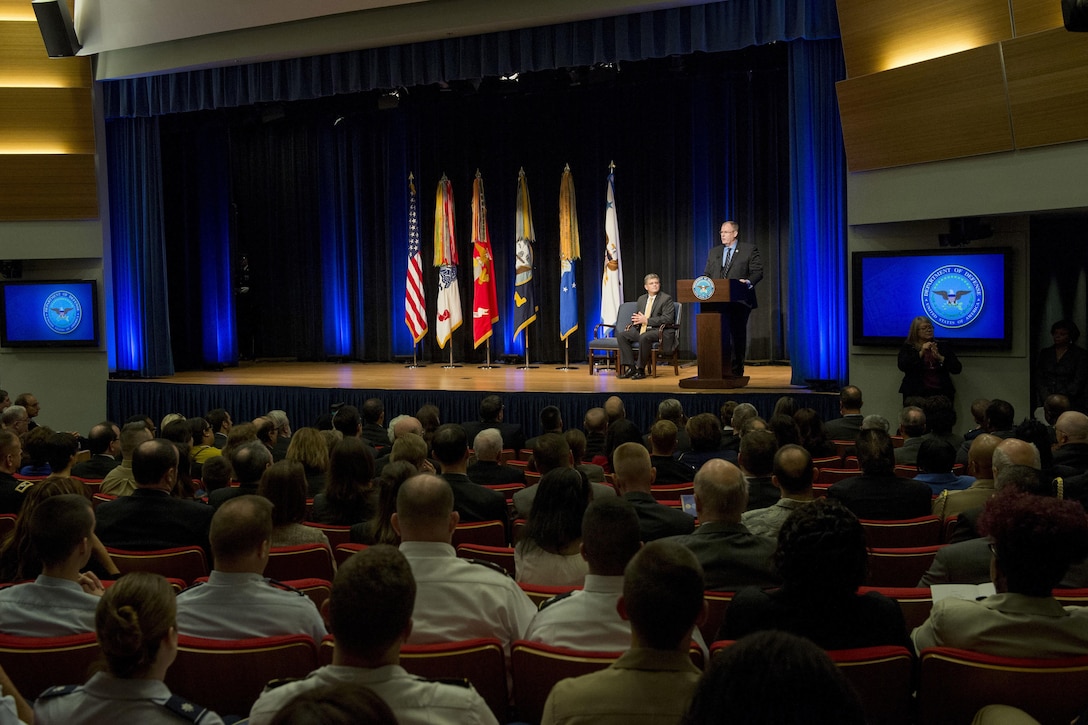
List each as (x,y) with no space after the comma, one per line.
(941,79)
(47,144)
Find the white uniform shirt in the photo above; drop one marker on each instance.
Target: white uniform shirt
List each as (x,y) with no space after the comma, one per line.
(414,700)
(46,607)
(457,599)
(106,698)
(239,605)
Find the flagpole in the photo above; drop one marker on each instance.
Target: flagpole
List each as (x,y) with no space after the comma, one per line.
(487,364)
(527,366)
(415,312)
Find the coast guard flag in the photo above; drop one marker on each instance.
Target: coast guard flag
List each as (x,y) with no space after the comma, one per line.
(485,303)
(612,281)
(415,301)
(524,238)
(448,316)
(570,249)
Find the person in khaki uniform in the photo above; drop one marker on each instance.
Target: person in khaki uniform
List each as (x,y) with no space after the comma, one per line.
(654,680)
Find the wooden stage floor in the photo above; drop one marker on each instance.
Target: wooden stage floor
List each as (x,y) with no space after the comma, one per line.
(765,379)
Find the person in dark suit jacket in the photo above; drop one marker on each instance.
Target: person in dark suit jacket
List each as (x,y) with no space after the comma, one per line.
(104,443)
(150,518)
(472,501)
(643,329)
(634,476)
(488,470)
(491,416)
(878,493)
(734,259)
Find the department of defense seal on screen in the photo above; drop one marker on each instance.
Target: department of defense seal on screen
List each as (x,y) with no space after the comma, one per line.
(953,296)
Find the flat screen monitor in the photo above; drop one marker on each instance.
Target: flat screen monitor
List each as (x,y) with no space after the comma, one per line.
(966,294)
(61,313)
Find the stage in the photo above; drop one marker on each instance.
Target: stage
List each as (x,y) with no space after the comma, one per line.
(307,390)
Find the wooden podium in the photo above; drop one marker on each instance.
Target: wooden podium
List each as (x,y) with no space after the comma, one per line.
(714,344)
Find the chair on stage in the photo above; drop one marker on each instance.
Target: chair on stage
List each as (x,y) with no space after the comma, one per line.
(498,555)
(674,358)
(603,343)
(902,567)
(479,661)
(37,663)
(956,683)
(537,667)
(227,675)
(304,561)
(183,562)
(488,533)
(334,533)
(899,533)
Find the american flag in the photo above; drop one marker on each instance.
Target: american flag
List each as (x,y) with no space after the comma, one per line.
(415,302)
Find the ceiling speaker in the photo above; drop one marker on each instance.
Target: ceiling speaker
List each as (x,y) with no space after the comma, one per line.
(58,31)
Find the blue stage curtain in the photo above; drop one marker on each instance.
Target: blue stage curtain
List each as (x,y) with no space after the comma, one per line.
(709,28)
(818,338)
(141,337)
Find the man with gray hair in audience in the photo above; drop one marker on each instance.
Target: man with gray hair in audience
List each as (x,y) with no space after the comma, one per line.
(249,462)
(743,413)
(282,426)
(912,426)
(401,425)
(15,419)
(670,409)
(487,469)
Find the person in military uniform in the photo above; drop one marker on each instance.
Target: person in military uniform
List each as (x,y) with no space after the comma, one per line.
(139,641)
(370,616)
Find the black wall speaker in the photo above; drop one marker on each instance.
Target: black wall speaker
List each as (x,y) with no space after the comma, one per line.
(55,24)
(1075,15)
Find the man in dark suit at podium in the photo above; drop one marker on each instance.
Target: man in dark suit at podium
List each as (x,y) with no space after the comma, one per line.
(738,260)
(655,308)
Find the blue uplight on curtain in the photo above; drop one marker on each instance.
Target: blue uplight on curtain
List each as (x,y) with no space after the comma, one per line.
(141,340)
(339,240)
(220,343)
(818,342)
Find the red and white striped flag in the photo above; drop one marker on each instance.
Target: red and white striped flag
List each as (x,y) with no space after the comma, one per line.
(415,301)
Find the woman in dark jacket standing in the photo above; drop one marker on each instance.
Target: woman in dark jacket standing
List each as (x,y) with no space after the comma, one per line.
(927,366)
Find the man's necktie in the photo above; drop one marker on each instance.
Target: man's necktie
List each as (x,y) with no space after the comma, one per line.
(728,262)
(646,313)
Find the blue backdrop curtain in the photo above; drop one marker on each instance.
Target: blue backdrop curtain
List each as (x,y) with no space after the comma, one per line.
(818,337)
(141,334)
(317,190)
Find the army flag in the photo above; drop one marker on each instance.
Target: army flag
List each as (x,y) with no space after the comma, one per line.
(570,250)
(448,317)
(612,280)
(524,238)
(485,304)
(415,300)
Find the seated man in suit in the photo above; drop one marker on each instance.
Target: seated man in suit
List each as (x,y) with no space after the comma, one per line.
(487,468)
(150,518)
(634,477)
(655,679)
(655,308)
(663,436)
(846,427)
(492,416)
(104,443)
(730,555)
(878,493)
(249,462)
(472,501)
(793,475)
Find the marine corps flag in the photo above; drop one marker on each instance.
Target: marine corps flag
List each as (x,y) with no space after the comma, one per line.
(415,301)
(448,316)
(485,303)
(524,238)
(570,250)
(612,281)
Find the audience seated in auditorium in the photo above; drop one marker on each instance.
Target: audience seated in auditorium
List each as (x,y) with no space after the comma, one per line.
(662,450)
(1034,540)
(35,452)
(549,551)
(941,420)
(136,629)
(150,518)
(1008,452)
(29,402)
(215,474)
(999,420)
(399,427)
(5,400)
(576,439)
(284,484)
(379,530)
(793,474)
(370,614)
(980,465)
(249,462)
(347,420)
(491,416)
(935,460)
(634,477)
(220,421)
(595,424)
(457,599)
(912,427)
(813,436)
(730,555)
(706,441)
(1053,407)
(309,448)
(345,703)
(551,421)
(428,416)
(267,432)
(237,601)
(487,469)
(104,444)
(203,444)
(11,488)
(239,435)
(373,430)
(614,409)
(846,427)
(471,501)
(822,559)
(63,598)
(348,497)
(1071,452)
(15,419)
(756,459)
(670,409)
(878,493)
(655,679)
(619,432)
(60,453)
(978,415)
(282,425)
(13,706)
(774,678)
(18,559)
(552,452)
